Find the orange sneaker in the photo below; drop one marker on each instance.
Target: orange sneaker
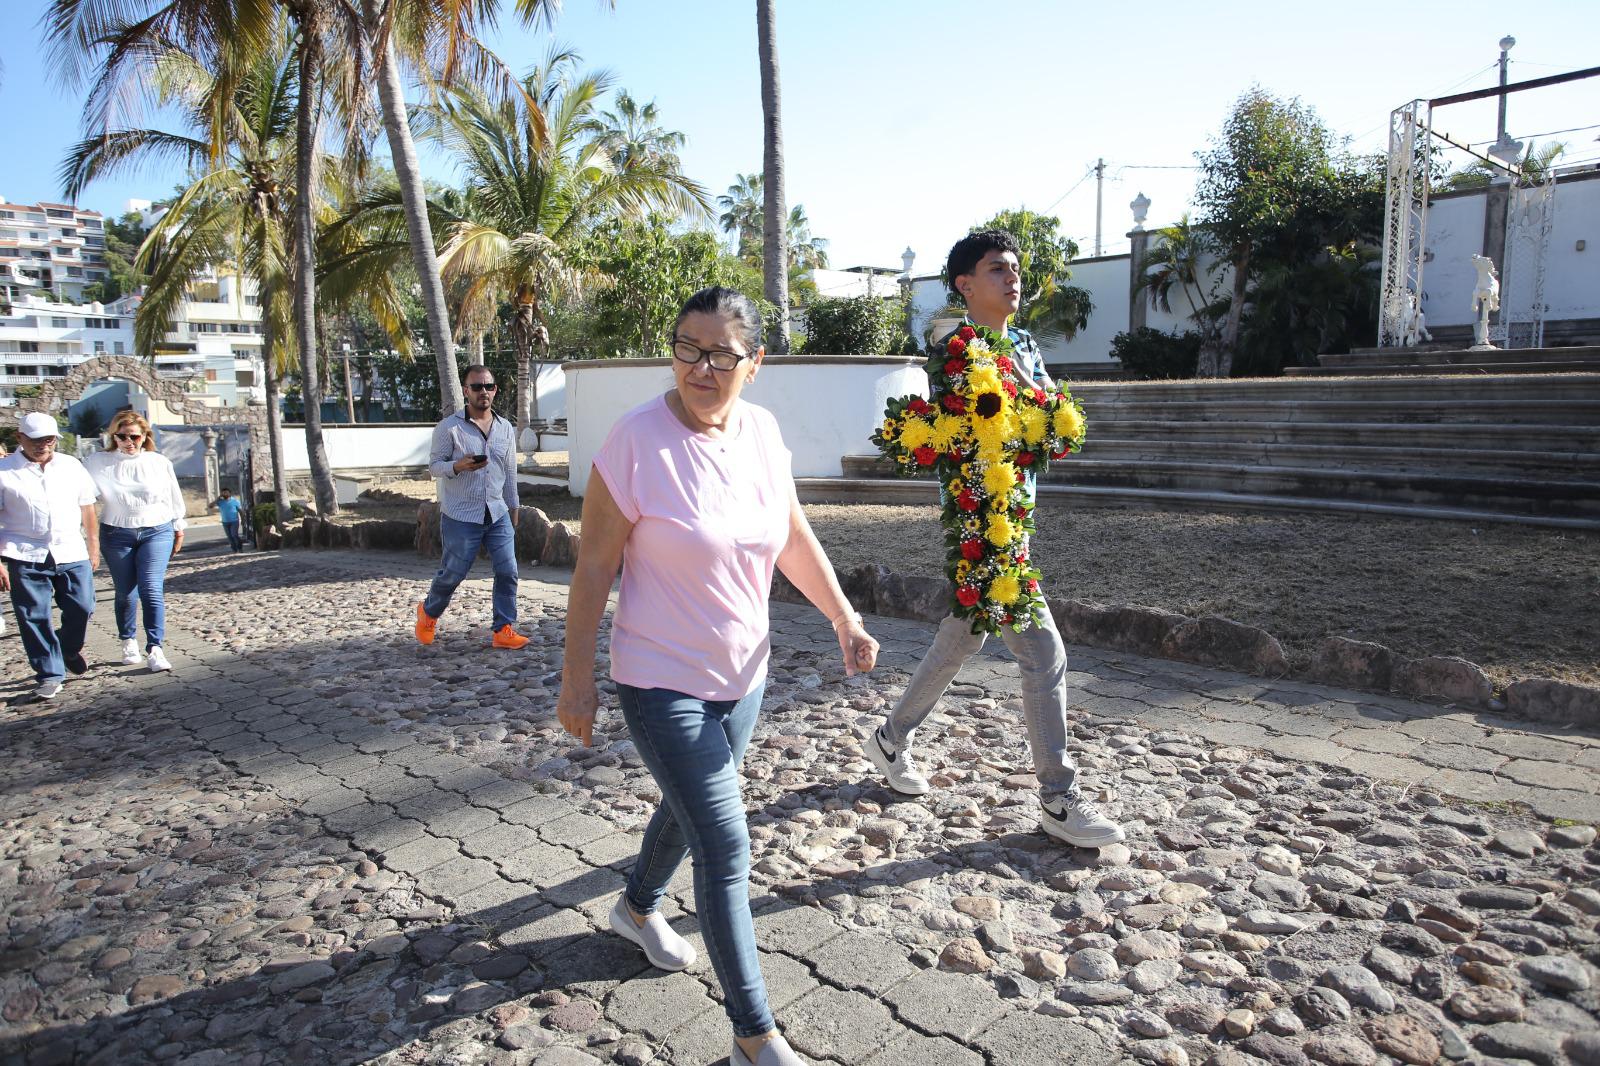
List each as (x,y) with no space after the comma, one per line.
(506,637)
(425,627)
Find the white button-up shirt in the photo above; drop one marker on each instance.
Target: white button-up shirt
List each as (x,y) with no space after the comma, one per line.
(41,509)
(137,491)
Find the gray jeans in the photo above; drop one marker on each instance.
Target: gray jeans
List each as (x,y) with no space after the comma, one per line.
(1043,661)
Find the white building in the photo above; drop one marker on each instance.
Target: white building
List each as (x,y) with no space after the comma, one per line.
(50,248)
(41,339)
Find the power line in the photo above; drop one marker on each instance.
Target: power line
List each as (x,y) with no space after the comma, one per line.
(1069,192)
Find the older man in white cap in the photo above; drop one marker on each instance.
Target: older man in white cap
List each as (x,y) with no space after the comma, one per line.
(50,545)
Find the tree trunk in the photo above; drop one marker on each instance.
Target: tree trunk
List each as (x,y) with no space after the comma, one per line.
(403,150)
(1230,328)
(775,212)
(305,267)
(269,367)
(525,337)
(366,390)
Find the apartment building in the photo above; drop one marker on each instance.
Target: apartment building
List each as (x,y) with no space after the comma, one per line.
(47,248)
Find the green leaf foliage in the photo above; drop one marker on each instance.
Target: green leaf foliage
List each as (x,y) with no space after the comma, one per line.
(1150,355)
(853,325)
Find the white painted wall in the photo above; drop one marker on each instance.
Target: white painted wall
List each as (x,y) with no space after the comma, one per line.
(1106,279)
(1572,278)
(1454,236)
(366,445)
(826,406)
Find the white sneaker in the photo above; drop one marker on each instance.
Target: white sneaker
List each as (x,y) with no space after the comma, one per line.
(775,1052)
(131,656)
(158,659)
(1080,823)
(48,690)
(896,766)
(665,949)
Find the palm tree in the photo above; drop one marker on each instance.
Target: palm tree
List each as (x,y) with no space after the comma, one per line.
(1174,262)
(806,253)
(634,133)
(232,215)
(533,199)
(440,42)
(741,214)
(1534,164)
(775,256)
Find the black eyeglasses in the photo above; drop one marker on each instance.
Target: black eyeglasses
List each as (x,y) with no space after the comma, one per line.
(128,436)
(685,352)
(482,386)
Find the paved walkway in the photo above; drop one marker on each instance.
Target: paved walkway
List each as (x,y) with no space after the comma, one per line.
(316,842)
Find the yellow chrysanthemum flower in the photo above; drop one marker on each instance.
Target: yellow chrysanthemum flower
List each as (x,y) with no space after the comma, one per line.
(916,433)
(947,432)
(1033,423)
(1000,532)
(1004,589)
(982,378)
(999,478)
(1068,422)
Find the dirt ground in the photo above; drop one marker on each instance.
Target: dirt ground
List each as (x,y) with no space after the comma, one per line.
(1519,602)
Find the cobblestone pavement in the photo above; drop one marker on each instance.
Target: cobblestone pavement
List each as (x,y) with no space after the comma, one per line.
(316,842)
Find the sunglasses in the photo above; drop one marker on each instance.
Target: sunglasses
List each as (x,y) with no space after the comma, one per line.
(128,436)
(479,386)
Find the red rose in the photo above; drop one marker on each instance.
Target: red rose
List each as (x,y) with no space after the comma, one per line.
(1038,395)
(1021,476)
(919,407)
(956,346)
(955,366)
(1020,513)
(1007,619)
(967,501)
(1033,586)
(967,596)
(1010,387)
(1066,449)
(966,333)
(954,457)
(1024,458)
(972,549)
(1021,557)
(1003,365)
(925,456)
(954,404)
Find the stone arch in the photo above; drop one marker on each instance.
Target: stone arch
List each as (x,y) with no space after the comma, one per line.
(55,395)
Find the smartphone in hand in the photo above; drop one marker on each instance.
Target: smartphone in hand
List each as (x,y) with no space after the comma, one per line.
(480,459)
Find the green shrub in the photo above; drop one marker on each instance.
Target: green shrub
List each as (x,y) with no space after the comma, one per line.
(852,325)
(1150,355)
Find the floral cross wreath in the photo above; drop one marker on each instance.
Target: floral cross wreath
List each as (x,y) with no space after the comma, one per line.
(981,439)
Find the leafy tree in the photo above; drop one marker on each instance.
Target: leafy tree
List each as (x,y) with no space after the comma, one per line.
(1051,305)
(1149,354)
(853,325)
(1269,174)
(742,206)
(648,272)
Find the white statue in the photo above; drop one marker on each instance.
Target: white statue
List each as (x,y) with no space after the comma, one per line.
(1413,323)
(1485,298)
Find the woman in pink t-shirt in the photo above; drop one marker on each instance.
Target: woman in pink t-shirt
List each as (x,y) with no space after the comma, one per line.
(692,495)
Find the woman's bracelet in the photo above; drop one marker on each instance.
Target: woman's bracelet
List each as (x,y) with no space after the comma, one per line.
(848,615)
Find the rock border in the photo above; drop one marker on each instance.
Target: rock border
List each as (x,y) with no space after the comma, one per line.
(1209,640)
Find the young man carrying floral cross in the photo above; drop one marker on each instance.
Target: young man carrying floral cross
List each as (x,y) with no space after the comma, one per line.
(1002,594)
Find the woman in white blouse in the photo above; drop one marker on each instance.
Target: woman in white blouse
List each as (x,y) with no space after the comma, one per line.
(141,528)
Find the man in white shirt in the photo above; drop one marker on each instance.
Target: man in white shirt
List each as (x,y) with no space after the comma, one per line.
(50,545)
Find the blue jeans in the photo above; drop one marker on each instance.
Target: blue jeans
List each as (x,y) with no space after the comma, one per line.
(232,530)
(693,748)
(31,587)
(461,541)
(137,559)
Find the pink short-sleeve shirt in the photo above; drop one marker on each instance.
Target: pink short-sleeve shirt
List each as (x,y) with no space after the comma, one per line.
(710,517)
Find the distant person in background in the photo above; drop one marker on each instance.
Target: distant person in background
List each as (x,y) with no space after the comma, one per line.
(141,529)
(474,462)
(50,544)
(228,510)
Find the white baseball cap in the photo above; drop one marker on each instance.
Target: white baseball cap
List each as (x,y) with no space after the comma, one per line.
(38,424)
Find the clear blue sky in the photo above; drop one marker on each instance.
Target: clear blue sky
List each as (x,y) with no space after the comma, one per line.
(905,121)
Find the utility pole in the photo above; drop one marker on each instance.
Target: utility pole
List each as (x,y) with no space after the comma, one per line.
(1506,44)
(1099,196)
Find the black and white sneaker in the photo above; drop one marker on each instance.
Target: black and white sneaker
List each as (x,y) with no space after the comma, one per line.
(1080,823)
(897,767)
